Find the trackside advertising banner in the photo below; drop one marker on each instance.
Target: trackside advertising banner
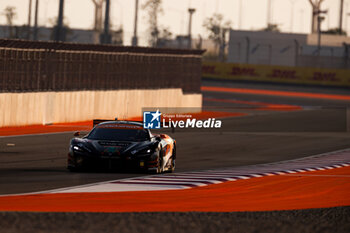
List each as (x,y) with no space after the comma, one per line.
(280,74)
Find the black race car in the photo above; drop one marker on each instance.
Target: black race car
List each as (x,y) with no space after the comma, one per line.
(122,144)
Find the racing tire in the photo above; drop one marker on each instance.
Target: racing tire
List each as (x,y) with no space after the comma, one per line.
(72,169)
(173,161)
(159,163)
(158,169)
(173,165)
(78,166)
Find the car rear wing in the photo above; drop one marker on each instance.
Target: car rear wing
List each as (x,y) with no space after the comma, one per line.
(98,121)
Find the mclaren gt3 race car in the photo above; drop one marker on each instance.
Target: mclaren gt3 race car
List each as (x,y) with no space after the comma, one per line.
(122,144)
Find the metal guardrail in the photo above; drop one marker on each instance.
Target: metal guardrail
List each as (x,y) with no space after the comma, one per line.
(27,66)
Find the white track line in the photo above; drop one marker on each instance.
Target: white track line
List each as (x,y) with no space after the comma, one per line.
(296,167)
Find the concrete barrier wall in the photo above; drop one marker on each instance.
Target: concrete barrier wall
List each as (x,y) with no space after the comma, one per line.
(18,109)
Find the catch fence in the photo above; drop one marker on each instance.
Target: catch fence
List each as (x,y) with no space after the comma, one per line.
(27,66)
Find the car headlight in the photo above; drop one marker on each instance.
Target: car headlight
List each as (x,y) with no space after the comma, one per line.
(141,151)
(77,148)
(80,148)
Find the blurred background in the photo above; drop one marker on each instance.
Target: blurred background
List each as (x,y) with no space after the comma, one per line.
(283,32)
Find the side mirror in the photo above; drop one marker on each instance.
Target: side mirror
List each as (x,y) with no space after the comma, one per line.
(76,134)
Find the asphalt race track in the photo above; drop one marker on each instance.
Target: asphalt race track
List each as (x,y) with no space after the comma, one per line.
(268,132)
(314,220)
(38,162)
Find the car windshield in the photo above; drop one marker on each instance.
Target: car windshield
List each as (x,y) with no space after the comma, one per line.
(116,133)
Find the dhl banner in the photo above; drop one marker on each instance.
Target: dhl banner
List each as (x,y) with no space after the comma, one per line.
(280,74)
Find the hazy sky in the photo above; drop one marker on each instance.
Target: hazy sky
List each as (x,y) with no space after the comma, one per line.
(80,14)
